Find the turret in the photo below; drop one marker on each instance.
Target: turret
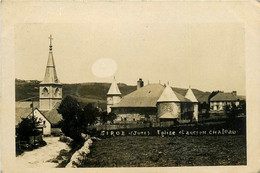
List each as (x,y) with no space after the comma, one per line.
(190,95)
(113,95)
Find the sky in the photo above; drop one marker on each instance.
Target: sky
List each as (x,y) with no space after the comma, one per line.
(206,55)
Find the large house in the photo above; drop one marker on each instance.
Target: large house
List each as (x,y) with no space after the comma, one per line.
(50,96)
(153,103)
(221,99)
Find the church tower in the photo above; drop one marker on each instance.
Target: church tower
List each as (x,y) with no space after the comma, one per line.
(113,95)
(50,87)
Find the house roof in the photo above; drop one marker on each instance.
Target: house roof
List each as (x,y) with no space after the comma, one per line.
(168,95)
(146,96)
(149,95)
(53,116)
(23,109)
(190,95)
(224,97)
(114,90)
(168,115)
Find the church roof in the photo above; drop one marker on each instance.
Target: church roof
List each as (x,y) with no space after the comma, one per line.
(224,97)
(168,95)
(50,76)
(190,95)
(114,90)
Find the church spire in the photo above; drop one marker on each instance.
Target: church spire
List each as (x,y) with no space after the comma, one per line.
(50,73)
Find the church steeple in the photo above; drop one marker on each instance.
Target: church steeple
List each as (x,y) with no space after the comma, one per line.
(50,87)
(50,73)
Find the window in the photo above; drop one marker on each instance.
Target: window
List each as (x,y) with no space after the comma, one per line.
(57,92)
(45,92)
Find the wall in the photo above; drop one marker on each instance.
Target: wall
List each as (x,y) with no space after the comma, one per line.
(44,122)
(171,107)
(134,115)
(48,100)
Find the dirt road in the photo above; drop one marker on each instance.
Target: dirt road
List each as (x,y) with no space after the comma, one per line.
(38,157)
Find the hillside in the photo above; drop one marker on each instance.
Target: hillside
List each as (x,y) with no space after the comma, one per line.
(84,92)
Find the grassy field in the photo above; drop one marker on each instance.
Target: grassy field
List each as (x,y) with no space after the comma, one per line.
(155,151)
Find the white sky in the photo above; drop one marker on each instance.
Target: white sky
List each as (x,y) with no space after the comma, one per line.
(151,43)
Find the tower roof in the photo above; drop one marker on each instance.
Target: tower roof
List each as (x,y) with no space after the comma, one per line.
(190,95)
(168,95)
(114,90)
(50,73)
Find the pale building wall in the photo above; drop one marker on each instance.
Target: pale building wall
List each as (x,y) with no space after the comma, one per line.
(44,122)
(171,107)
(196,111)
(49,96)
(112,100)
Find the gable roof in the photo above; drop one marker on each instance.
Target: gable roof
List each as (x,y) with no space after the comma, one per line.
(168,95)
(114,90)
(224,97)
(190,95)
(53,116)
(23,109)
(146,96)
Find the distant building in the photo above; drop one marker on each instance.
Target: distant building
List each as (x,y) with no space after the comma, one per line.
(50,96)
(221,99)
(153,102)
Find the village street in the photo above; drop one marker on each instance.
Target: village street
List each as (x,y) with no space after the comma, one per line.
(39,157)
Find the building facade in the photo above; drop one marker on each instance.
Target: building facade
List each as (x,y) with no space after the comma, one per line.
(221,100)
(155,103)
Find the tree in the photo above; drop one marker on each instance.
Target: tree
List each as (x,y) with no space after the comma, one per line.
(75,119)
(105,117)
(90,114)
(71,123)
(27,128)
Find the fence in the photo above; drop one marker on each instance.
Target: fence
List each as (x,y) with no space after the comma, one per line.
(131,126)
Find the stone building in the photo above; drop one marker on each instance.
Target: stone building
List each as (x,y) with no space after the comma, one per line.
(50,96)
(154,103)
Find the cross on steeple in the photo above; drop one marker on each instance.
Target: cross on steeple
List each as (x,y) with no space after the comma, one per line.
(50,42)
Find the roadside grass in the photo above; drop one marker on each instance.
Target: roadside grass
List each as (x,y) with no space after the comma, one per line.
(155,151)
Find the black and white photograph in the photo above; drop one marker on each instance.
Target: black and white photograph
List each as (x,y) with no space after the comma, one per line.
(130,85)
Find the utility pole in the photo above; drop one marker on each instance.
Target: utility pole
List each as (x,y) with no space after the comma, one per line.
(33,123)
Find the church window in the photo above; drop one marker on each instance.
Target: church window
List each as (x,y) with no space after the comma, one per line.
(45,92)
(57,92)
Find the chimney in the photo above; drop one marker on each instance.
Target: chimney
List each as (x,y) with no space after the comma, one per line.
(234,93)
(140,83)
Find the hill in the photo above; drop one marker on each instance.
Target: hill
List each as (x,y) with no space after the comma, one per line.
(85,92)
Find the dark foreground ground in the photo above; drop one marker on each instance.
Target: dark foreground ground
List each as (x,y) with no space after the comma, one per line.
(155,151)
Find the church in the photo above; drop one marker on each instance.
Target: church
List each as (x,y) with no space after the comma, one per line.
(50,96)
(152,103)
